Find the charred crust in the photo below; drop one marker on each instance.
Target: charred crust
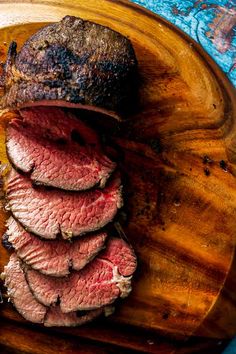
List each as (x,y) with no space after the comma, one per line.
(75,61)
(82,313)
(5,242)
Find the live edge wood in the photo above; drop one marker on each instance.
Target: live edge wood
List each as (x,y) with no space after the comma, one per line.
(178,153)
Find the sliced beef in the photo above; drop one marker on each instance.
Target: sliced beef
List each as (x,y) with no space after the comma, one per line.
(53,257)
(5,242)
(38,144)
(20,294)
(98,284)
(56,123)
(48,213)
(72,62)
(25,303)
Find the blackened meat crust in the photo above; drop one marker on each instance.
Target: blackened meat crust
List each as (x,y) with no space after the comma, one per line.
(72,61)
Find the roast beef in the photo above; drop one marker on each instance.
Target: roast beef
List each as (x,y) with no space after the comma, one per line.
(19,293)
(48,213)
(40,145)
(53,257)
(57,123)
(73,61)
(98,284)
(25,303)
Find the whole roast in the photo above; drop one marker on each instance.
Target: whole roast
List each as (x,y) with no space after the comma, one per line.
(72,62)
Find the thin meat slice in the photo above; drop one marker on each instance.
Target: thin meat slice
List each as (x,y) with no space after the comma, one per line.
(25,303)
(53,257)
(20,294)
(41,143)
(48,213)
(98,284)
(57,123)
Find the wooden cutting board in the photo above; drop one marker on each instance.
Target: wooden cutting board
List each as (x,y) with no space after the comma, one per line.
(178,152)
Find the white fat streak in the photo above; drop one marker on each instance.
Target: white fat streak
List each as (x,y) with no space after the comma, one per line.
(122,282)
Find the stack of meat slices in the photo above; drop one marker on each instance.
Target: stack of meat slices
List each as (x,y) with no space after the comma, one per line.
(62,191)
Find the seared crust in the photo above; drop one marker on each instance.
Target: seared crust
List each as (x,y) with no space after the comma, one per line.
(73,61)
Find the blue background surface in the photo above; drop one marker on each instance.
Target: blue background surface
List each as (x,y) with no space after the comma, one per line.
(212,23)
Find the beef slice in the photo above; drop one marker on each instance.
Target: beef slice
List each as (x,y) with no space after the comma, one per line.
(98,284)
(53,257)
(25,303)
(50,212)
(37,144)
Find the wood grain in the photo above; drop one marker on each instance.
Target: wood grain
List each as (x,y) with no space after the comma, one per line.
(181,197)
(122,339)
